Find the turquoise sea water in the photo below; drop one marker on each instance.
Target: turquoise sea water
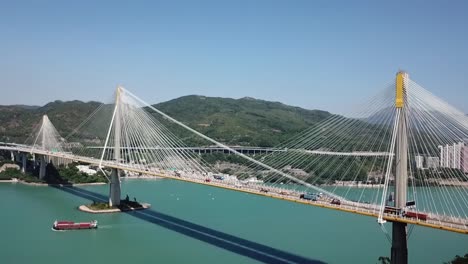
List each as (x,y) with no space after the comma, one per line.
(190,223)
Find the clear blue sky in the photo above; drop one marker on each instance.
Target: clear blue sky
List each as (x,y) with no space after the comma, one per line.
(313,54)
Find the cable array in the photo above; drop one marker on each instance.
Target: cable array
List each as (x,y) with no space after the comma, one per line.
(45,137)
(347,161)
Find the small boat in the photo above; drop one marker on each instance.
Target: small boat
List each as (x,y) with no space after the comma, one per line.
(69,225)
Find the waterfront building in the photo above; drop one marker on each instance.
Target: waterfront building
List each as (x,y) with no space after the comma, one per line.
(432,162)
(419,160)
(454,156)
(464,159)
(86,169)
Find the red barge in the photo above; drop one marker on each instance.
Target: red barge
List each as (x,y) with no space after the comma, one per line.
(69,225)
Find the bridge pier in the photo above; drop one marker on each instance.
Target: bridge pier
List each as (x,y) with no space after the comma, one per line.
(23,162)
(42,167)
(399,251)
(12,156)
(114,192)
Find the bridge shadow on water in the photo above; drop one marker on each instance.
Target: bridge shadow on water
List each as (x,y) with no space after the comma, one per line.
(247,248)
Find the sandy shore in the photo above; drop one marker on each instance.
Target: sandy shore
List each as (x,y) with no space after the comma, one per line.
(85,208)
(9,181)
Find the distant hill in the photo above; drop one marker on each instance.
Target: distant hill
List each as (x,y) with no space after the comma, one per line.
(245,121)
(18,122)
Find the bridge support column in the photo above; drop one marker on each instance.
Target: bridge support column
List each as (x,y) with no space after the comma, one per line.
(114,192)
(399,251)
(42,166)
(23,162)
(12,156)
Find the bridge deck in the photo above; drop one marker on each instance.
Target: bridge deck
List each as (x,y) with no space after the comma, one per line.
(460,226)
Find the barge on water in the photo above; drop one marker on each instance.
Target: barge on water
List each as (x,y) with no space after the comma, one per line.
(69,225)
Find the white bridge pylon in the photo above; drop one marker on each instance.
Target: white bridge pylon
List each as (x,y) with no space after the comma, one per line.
(47,137)
(44,138)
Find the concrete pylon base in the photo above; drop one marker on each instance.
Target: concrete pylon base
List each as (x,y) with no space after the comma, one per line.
(23,162)
(399,254)
(42,167)
(114,192)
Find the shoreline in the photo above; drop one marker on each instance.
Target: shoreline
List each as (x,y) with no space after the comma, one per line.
(142,177)
(85,208)
(354,185)
(9,181)
(15,180)
(51,184)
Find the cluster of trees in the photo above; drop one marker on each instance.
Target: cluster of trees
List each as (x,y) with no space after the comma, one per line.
(54,175)
(457,260)
(70,174)
(10,173)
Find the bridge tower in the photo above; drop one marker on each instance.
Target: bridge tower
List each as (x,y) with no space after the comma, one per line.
(114,191)
(399,251)
(42,158)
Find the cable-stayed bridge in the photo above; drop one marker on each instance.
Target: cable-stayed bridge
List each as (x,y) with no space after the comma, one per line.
(409,145)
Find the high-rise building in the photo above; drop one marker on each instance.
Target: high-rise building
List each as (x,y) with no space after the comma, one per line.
(454,156)
(464,159)
(432,162)
(419,160)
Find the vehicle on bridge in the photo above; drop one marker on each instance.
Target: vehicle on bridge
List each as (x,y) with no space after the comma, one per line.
(309,196)
(402,212)
(336,201)
(218,177)
(416,215)
(393,210)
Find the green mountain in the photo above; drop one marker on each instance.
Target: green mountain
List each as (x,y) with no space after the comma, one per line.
(18,122)
(244,121)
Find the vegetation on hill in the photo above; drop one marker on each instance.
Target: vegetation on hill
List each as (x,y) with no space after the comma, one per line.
(244,121)
(17,123)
